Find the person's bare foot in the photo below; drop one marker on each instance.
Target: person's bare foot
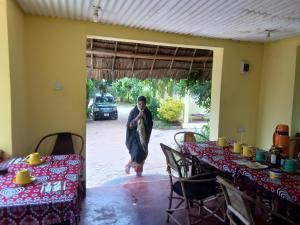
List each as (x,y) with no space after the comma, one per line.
(127,168)
(138,174)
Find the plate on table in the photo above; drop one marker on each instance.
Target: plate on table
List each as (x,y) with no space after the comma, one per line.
(256,165)
(241,162)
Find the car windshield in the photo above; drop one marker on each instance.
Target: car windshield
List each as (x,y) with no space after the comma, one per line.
(104,100)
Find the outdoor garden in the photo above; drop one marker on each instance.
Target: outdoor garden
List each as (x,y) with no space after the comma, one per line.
(165,96)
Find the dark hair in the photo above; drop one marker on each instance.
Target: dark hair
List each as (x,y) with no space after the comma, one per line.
(142,99)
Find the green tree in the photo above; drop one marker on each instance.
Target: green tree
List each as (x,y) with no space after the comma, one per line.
(200,90)
(90,91)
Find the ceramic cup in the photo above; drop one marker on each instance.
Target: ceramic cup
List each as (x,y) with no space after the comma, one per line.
(290,165)
(222,142)
(237,147)
(260,155)
(275,173)
(247,151)
(34,158)
(22,176)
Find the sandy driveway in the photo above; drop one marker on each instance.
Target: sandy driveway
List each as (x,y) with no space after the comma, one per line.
(107,153)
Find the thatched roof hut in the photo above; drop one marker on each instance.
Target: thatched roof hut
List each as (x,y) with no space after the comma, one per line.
(108,59)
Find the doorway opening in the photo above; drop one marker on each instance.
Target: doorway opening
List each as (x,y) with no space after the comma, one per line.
(172,78)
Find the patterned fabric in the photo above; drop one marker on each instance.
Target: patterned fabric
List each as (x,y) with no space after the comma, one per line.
(288,187)
(27,205)
(141,131)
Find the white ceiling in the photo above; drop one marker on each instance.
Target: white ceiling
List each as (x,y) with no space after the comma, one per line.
(227,19)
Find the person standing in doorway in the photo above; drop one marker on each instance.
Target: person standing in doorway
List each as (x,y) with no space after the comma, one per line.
(139,128)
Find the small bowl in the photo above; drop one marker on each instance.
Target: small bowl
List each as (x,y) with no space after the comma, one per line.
(275,173)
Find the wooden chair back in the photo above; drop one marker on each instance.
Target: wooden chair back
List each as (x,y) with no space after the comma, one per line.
(237,206)
(63,143)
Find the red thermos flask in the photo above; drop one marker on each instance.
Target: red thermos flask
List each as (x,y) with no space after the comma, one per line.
(281,137)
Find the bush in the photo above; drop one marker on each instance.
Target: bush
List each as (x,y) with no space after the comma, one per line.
(153,106)
(170,110)
(204,131)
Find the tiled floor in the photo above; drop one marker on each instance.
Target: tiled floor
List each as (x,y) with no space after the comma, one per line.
(130,201)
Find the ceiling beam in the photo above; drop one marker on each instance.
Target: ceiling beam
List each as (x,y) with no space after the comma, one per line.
(154,69)
(148,56)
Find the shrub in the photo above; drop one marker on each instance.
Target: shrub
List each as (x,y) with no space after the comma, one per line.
(205,130)
(153,106)
(170,110)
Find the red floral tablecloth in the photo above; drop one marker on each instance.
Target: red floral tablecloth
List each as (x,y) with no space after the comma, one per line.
(25,204)
(287,187)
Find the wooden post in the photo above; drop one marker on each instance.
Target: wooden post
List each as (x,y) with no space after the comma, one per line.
(92,59)
(171,65)
(113,62)
(192,61)
(153,62)
(135,51)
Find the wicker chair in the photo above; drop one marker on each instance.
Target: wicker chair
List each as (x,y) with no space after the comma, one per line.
(62,142)
(191,191)
(182,137)
(239,206)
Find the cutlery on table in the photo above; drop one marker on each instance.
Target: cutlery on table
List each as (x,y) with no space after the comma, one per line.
(43,189)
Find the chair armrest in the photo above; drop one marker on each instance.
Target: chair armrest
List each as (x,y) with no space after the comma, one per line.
(198,176)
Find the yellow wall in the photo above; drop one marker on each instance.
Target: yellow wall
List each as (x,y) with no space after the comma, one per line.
(296,104)
(5,100)
(239,94)
(277,82)
(17,78)
(55,51)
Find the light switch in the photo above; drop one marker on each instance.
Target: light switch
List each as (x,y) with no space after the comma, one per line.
(57,86)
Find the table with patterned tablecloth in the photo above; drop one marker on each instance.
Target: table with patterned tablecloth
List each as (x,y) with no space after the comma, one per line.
(222,158)
(26,204)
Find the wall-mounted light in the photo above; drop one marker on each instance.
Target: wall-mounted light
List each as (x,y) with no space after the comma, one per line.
(245,67)
(270,32)
(96,13)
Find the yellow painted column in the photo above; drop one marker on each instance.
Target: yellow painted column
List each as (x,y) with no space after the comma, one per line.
(216,94)
(186,108)
(5,89)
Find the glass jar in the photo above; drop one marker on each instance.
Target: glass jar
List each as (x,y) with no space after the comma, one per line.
(275,159)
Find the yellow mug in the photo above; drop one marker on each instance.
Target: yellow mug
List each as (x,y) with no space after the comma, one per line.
(22,176)
(237,147)
(222,142)
(247,151)
(34,158)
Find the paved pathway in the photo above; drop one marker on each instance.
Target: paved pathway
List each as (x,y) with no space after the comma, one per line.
(107,154)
